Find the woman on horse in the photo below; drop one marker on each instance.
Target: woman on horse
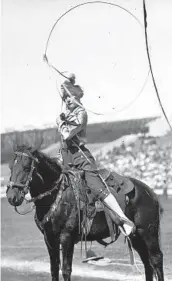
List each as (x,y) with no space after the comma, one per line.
(72,125)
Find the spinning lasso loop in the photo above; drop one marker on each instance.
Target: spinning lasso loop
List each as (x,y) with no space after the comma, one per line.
(73,8)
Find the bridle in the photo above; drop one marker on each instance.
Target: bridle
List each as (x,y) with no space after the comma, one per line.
(26,187)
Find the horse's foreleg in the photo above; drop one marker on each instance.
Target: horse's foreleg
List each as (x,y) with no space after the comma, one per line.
(53,246)
(141,248)
(67,251)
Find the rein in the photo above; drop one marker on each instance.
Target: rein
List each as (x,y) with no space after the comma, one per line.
(40,196)
(26,186)
(23,214)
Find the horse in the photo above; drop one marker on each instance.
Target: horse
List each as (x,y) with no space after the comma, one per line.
(56,213)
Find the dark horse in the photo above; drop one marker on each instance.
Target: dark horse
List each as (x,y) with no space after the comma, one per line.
(33,171)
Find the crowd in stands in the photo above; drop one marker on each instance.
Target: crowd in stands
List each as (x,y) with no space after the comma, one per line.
(147,159)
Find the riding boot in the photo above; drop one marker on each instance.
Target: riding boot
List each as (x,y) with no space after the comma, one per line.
(112,203)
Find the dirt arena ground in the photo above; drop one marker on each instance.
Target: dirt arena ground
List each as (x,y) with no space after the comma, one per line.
(25,257)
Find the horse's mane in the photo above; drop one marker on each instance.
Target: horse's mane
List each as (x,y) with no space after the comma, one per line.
(42,157)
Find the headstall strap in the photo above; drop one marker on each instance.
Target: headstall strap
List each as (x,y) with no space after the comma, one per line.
(26,185)
(40,196)
(25,154)
(31,171)
(30,174)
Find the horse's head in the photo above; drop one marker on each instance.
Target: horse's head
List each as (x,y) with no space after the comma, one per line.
(22,167)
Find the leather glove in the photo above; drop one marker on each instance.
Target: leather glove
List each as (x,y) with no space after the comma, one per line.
(62,117)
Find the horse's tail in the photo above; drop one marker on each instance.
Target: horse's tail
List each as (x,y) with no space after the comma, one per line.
(146,190)
(151,193)
(161,209)
(155,196)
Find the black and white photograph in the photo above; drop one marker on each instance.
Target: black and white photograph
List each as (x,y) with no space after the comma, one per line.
(86,140)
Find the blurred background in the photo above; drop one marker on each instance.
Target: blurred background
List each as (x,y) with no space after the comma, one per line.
(140,148)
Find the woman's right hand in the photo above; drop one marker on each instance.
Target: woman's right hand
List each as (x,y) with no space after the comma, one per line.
(62,117)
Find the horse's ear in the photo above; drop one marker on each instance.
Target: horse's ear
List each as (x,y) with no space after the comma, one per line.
(18,141)
(38,145)
(14,146)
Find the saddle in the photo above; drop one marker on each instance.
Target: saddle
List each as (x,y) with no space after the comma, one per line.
(120,183)
(119,186)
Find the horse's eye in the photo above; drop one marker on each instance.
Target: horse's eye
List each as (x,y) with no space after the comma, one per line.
(26,169)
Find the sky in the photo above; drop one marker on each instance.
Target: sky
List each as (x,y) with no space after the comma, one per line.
(102,44)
